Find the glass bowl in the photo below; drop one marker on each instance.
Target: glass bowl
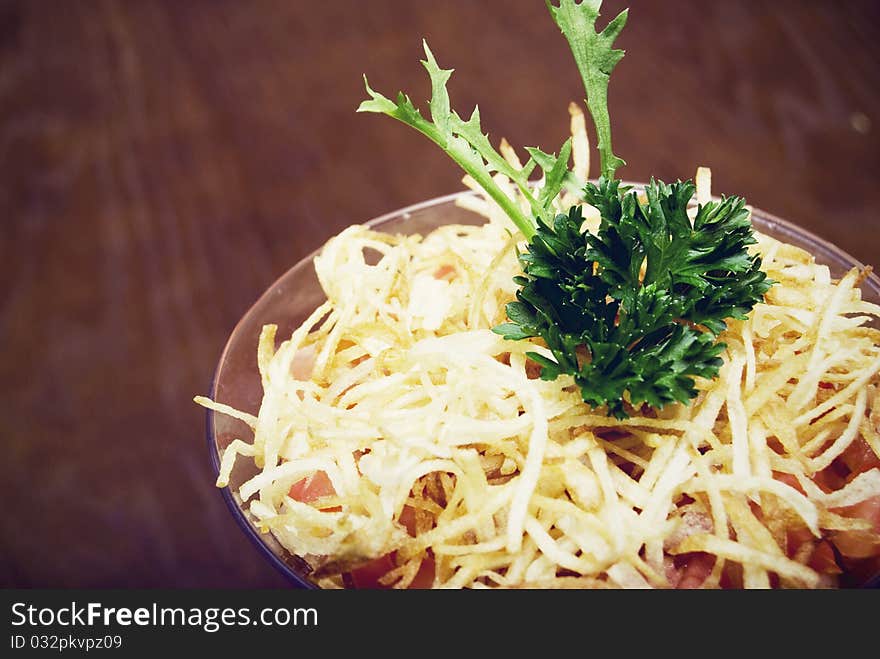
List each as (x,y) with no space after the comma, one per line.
(290,300)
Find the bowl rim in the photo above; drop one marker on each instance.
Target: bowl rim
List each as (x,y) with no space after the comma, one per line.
(789,229)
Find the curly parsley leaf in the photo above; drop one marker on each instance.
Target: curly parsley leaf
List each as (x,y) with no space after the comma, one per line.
(633,311)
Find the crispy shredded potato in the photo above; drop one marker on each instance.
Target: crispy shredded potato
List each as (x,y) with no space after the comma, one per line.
(447,460)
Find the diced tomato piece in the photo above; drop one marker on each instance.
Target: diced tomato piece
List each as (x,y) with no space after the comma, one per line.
(445,271)
(823,559)
(691,570)
(796,538)
(424,578)
(868,509)
(860,457)
(408,519)
(830,478)
(858,545)
(732,576)
(314,487)
(368,575)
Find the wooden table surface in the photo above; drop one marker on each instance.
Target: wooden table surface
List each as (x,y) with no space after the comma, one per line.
(161,163)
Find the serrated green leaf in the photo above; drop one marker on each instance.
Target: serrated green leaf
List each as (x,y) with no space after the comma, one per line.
(440,113)
(595,59)
(463,141)
(555,170)
(471,131)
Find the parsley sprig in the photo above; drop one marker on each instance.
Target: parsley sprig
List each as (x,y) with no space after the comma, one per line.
(633,312)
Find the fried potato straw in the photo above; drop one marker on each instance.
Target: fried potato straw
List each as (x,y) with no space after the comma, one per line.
(445,452)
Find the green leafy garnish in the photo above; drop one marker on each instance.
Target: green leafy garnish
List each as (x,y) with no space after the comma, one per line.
(595,60)
(633,312)
(621,311)
(467,145)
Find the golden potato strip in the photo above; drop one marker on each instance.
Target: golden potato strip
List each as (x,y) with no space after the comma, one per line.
(509,154)
(236,447)
(580,143)
(703,181)
(249,419)
(846,438)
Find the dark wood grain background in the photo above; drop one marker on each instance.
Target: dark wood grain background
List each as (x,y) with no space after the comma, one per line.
(161,163)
